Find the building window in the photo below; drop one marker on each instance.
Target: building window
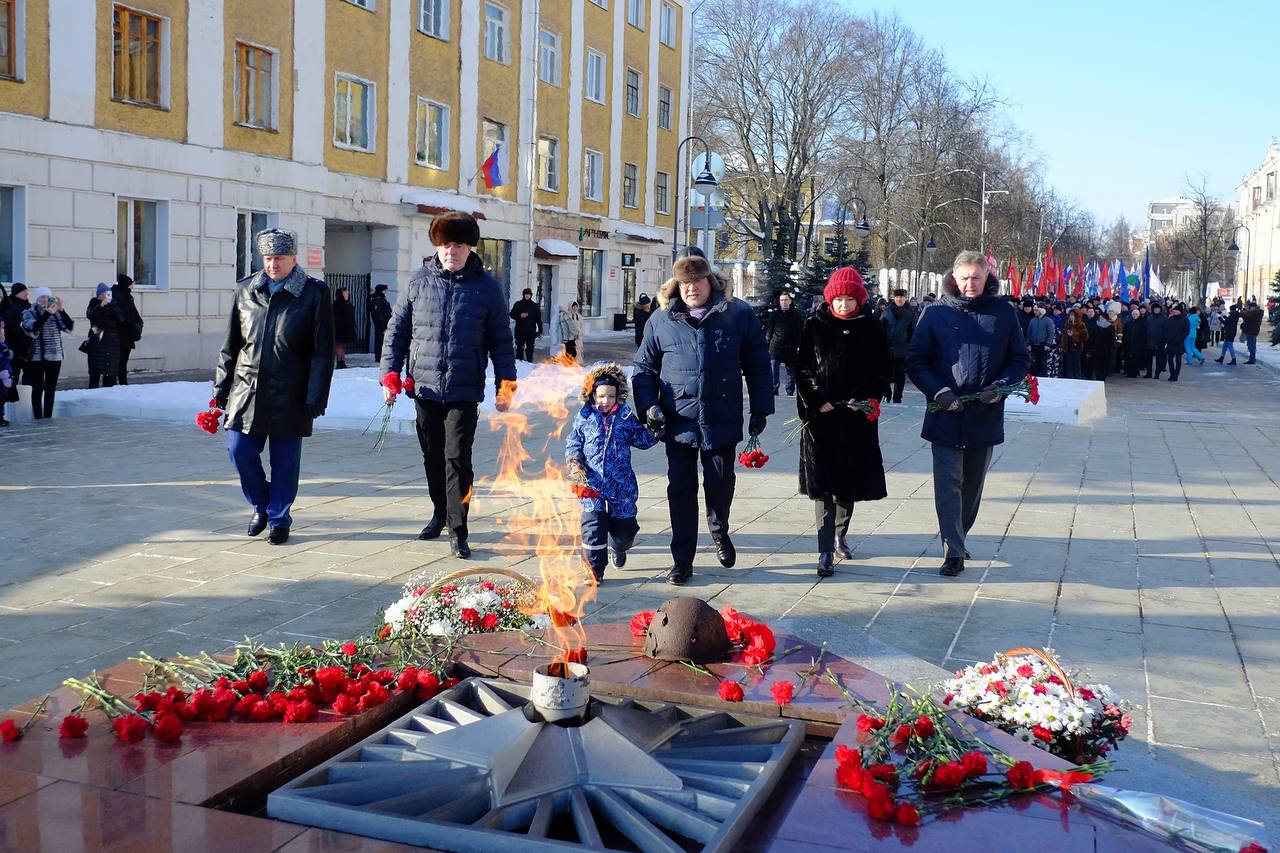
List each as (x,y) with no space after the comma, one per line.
(363,4)
(494,134)
(353,113)
(9,38)
(664,108)
(141,240)
(496,33)
(549,57)
(433,18)
(667,25)
(496,257)
(1271,186)
(593,175)
(662,189)
(590,281)
(595,76)
(138,58)
(548,164)
(12,233)
(630,178)
(635,13)
(432,135)
(633,92)
(249,223)
(1257,198)
(603,4)
(255,87)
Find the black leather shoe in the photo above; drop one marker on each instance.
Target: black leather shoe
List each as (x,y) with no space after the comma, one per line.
(725,551)
(826,564)
(458,547)
(619,558)
(966,554)
(843,549)
(951,567)
(257,523)
(679,575)
(433,528)
(278,535)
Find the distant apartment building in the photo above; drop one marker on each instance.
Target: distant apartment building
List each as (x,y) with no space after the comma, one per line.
(155,138)
(1166,215)
(1259,239)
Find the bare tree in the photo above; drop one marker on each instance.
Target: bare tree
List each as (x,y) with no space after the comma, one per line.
(1200,242)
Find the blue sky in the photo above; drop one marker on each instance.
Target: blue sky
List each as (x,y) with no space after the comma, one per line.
(1125,98)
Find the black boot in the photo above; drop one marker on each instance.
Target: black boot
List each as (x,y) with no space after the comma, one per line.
(843,549)
(458,546)
(679,574)
(1219,359)
(257,523)
(278,535)
(433,528)
(826,564)
(725,551)
(618,556)
(1233,361)
(951,567)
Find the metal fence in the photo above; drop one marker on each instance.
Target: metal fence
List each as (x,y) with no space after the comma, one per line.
(357,284)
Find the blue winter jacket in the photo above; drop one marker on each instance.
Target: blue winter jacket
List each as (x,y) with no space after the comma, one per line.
(967,348)
(603,446)
(694,374)
(444,327)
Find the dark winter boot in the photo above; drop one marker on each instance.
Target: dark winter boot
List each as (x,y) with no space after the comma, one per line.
(725,552)
(458,546)
(433,528)
(618,556)
(679,574)
(1231,362)
(826,564)
(1219,359)
(951,567)
(843,549)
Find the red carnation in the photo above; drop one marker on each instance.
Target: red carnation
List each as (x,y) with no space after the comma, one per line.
(428,686)
(846,754)
(376,696)
(850,775)
(244,707)
(73,725)
(924,727)
(169,729)
(640,622)
(392,383)
(470,617)
(1021,776)
(868,724)
(949,775)
(880,806)
(258,681)
(901,735)
(760,644)
(299,712)
(783,692)
(208,420)
(385,632)
(349,649)
(731,691)
(975,764)
(407,384)
(262,711)
(906,814)
(223,702)
(489,622)
(408,679)
(1025,670)
(734,623)
(9,731)
(1042,733)
(130,728)
(1085,693)
(346,706)
(886,773)
(147,701)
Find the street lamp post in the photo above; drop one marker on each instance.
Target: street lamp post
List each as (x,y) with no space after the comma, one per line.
(703,180)
(931,247)
(863,228)
(1234,251)
(982,224)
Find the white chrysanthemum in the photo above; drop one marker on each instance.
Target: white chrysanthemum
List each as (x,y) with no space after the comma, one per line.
(541,620)
(439,628)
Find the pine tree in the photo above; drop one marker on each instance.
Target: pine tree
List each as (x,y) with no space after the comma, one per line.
(1275,284)
(777,270)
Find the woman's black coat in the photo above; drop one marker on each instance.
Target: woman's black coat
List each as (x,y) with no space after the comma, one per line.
(107,324)
(840,360)
(344,321)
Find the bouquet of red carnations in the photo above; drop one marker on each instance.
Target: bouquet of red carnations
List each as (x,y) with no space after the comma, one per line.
(209,418)
(1028,389)
(393,383)
(753,456)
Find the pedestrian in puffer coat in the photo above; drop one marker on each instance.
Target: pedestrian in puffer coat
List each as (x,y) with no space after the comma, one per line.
(598,456)
(899,323)
(1135,342)
(44,323)
(782,331)
(968,343)
(131,329)
(380,316)
(344,325)
(1230,328)
(447,323)
(106,330)
(1176,328)
(1154,322)
(688,374)
(843,358)
(8,381)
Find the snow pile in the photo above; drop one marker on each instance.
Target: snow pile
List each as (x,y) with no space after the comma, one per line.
(1062,401)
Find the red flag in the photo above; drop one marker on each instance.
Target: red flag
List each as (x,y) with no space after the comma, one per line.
(1079,288)
(1104,281)
(1014,285)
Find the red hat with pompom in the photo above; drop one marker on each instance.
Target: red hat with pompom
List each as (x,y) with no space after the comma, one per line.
(845,281)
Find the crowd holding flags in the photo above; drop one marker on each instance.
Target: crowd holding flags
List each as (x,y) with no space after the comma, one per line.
(1083,280)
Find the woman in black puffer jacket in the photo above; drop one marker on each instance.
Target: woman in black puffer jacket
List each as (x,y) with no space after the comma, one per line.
(105,322)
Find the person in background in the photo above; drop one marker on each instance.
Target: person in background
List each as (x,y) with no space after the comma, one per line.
(643,310)
(1027,314)
(1214,319)
(272,377)
(8,381)
(344,325)
(1193,330)
(45,322)
(782,331)
(379,315)
(1251,327)
(131,328)
(1072,343)
(18,340)
(569,330)
(1155,321)
(106,332)
(1230,328)
(1176,329)
(1039,332)
(899,324)
(1135,342)
(1102,346)
(527,315)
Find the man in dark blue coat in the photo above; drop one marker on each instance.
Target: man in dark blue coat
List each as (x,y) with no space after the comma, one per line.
(688,383)
(450,321)
(969,342)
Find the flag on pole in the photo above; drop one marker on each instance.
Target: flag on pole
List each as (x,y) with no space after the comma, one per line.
(1122,280)
(1146,275)
(1037,283)
(1156,284)
(1064,285)
(1015,286)
(1080,270)
(494,169)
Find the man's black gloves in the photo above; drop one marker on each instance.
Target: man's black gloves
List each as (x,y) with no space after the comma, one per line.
(948,401)
(755,426)
(656,422)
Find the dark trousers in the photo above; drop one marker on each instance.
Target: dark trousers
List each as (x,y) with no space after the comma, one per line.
(1039,359)
(101,380)
(275,497)
(958,476)
(42,376)
(378,335)
(445,434)
(783,377)
(1151,360)
(524,347)
(1071,364)
(1251,342)
(1159,360)
(601,531)
(122,366)
(571,348)
(899,377)
(833,520)
(718,479)
(1173,359)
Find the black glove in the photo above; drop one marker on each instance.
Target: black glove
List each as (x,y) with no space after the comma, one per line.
(314,410)
(948,401)
(220,403)
(755,426)
(989,395)
(576,470)
(655,422)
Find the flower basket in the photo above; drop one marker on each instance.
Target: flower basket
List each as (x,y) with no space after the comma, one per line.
(441,582)
(461,603)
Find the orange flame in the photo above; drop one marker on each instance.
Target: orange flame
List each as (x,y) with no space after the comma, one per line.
(544,514)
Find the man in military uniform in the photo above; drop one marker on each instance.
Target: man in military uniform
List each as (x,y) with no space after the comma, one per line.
(273,376)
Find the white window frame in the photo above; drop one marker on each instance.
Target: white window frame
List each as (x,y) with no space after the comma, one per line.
(441,22)
(589,192)
(603,4)
(367,5)
(670,106)
(20,43)
(161,243)
(667,25)
(504,32)
(549,54)
(639,91)
(244,228)
(274,110)
(662,192)
(552,160)
(370,113)
(635,13)
(634,182)
(595,87)
(17,232)
(445,143)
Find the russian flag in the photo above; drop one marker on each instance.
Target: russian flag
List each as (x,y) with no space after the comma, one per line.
(495,167)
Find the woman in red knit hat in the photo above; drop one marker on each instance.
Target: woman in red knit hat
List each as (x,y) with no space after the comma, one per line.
(844,359)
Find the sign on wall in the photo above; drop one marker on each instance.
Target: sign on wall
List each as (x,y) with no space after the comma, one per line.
(628,259)
(315,257)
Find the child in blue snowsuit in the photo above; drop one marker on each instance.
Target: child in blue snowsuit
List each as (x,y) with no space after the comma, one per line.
(598,456)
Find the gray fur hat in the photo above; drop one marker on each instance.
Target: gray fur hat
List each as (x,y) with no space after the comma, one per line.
(276,241)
